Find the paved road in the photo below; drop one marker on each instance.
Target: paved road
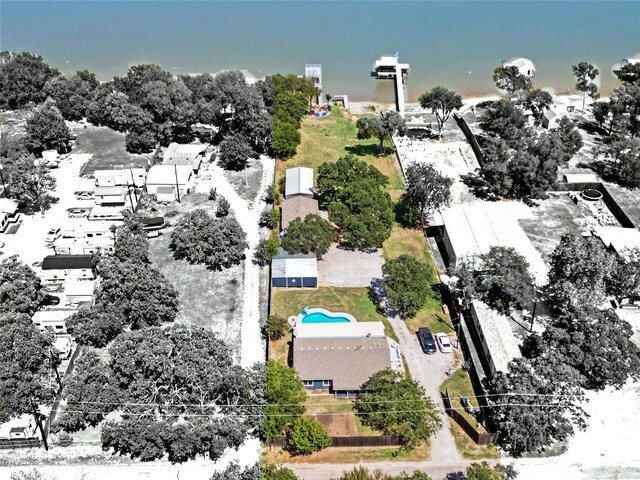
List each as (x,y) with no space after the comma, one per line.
(429,371)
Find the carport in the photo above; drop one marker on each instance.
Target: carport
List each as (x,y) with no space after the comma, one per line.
(294,270)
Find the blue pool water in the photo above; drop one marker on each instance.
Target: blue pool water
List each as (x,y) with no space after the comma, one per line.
(317,317)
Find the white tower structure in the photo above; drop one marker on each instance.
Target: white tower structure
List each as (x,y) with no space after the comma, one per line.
(388,68)
(525,67)
(315,71)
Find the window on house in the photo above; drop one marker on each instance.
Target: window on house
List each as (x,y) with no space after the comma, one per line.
(308,383)
(326,383)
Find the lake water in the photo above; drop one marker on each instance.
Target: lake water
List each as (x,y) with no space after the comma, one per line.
(456,44)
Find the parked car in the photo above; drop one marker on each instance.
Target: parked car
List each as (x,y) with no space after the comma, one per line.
(78,212)
(426,340)
(444,343)
(52,235)
(51,300)
(83,195)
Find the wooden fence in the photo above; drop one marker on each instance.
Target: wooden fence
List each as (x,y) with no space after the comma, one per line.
(372,441)
(477,437)
(14,443)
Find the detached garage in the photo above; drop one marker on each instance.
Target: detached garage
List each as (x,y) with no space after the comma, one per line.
(294,270)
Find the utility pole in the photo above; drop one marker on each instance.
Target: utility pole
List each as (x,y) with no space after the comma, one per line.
(175,169)
(38,417)
(4,187)
(54,367)
(134,184)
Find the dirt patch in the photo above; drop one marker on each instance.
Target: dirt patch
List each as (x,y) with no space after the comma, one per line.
(338,425)
(319,123)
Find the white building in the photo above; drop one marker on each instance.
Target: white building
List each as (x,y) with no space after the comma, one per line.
(87,230)
(299,181)
(126,177)
(113,196)
(52,320)
(191,155)
(294,270)
(23,426)
(8,213)
(79,291)
(388,68)
(58,268)
(172,180)
(525,67)
(84,245)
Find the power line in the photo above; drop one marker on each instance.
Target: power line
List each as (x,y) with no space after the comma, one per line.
(544,395)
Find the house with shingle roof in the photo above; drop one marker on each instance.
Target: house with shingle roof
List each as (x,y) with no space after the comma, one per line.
(191,155)
(297,207)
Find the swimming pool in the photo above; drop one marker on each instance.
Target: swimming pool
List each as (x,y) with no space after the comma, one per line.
(320,315)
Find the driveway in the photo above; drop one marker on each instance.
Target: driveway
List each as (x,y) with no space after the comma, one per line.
(429,371)
(349,268)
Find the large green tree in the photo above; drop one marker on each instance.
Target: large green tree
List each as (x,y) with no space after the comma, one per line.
(217,242)
(382,127)
(32,184)
(172,388)
(505,120)
(311,235)
(72,94)
(597,344)
(306,436)
(46,130)
(409,412)
(407,284)
(352,192)
(429,189)
(22,79)
(442,102)
(283,397)
(26,379)
(538,100)
(235,152)
(20,288)
(622,161)
(535,404)
(95,327)
(510,79)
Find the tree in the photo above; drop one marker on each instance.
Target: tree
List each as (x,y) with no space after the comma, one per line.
(46,130)
(72,94)
(382,127)
(217,242)
(283,397)
(429,189)
(569,138)
(168,385)
(291,105)
(624,280)
(525,423)
(579,268)
(266,250)
(270,471)
(286,138)
(20,289)
(484,471)
(414,417)
(234,472)
(32,183)
(407,284)
(311,235)
(597,344)
(442,102)
(352,192)
(509,79)
(25,367)
(235,152)
(22,79)
(131,242)
(138,294)
(505,281)
(585,73)
(223,207)
(277,327)
(306,435)
(94,327)
(505,120)
(538,100)
(623,158)
(629,73)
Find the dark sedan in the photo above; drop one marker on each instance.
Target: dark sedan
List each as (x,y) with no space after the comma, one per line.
(426,340)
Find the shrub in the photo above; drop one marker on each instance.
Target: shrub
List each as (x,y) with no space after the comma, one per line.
(266,218)
(277,327)
(235,152)
(266,250)
(306,435)
(64,439)
(223,207)
(213,194)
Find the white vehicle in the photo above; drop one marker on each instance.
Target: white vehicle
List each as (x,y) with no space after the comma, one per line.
(443,343)
(52,235)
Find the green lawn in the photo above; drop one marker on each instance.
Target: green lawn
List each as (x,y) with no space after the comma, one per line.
(325,139)
(459,385)
(356,301)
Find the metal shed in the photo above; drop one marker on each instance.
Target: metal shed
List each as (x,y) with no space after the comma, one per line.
(294,270)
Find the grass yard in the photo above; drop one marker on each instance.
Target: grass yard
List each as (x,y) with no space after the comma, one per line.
(354,455)
(289,301)
(468,448)
(208,299)
(459,385)
(246,182)
(325,139)
(108,149)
